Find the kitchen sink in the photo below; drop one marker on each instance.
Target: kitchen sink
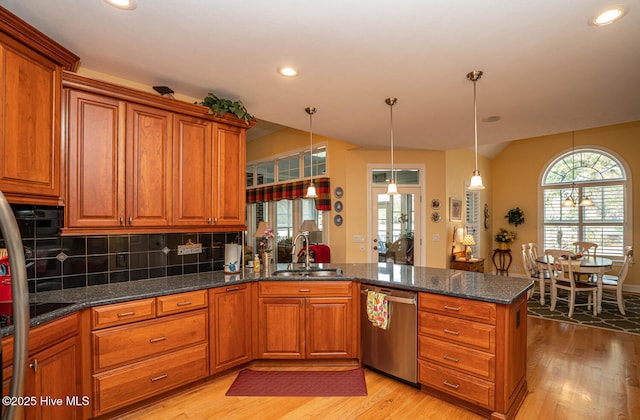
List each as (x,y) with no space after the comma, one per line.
(324,272)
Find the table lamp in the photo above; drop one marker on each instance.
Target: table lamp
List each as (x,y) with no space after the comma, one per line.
(468,241)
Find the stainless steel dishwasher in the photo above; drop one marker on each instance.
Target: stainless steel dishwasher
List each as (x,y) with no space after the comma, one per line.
(393,351)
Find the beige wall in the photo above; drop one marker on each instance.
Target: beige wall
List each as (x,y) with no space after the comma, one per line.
(517,172)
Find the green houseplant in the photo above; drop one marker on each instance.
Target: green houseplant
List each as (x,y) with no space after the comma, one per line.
(221,106)
(515,216)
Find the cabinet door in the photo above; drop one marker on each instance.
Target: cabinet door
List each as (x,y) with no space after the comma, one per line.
(192,171)
(229,176)
(230,323)
(329,324)
(148,166)
(281,328)
(53,373)
(30,89)
(96,195)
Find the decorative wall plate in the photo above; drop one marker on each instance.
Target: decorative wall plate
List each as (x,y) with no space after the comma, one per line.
(338,192)
(337,206)
(436,217)
(435,204)
(337,220)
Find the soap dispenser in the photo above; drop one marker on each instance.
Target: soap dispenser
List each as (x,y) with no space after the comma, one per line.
(256,264)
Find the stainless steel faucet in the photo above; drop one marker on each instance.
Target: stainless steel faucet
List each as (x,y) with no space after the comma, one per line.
(304,235)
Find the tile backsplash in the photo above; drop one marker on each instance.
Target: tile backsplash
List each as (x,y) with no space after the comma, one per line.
(61,262)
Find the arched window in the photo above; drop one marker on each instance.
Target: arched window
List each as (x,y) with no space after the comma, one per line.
(580,174)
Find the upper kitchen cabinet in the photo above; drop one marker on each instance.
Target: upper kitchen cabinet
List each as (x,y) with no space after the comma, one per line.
(119,160)
(143,162)
(31,67)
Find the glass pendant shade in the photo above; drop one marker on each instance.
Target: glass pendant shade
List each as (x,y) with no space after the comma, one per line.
(311,191)
(476,181)
(586,202)
(568,202)
(392,188)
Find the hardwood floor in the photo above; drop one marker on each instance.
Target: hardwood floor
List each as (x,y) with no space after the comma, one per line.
(573,372)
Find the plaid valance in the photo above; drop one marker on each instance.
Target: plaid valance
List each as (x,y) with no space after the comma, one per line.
(291,191)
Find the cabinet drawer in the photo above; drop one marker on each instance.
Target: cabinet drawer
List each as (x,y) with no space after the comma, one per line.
(458,384)
(457,357)
(119,345)
(458,307)
(122,313)
(305,288)
(458,331)
(124,386)
(182,302)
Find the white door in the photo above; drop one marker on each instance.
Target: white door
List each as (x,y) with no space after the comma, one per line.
(395,226)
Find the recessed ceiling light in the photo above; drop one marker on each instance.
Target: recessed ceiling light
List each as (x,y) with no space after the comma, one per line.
(288,71)
(609,15)
(122,4)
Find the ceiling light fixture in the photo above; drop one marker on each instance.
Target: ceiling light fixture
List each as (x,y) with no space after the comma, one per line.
(609,15)
(569,201)
(311,190)
(122,4)
(392,188)
(288,71)
(476,179)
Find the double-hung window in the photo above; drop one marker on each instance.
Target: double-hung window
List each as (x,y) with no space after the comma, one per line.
(577,175)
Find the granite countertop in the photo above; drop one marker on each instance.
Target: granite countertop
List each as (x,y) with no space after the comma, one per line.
(477,286)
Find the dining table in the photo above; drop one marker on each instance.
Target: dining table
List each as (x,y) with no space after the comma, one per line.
(588,265)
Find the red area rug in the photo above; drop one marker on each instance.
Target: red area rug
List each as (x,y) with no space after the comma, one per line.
(342,383)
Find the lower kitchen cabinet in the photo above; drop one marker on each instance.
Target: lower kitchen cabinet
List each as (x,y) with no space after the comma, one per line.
(134,360)
(53,373)
(306,320)
(230,326)
(472,353)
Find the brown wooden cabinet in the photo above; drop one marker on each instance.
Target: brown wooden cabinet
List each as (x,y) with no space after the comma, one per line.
(300,320)
(471,353)
(30,108)
(230,324)
(145,162)
(119,158)
(54,365)
(475,265)
(134,359)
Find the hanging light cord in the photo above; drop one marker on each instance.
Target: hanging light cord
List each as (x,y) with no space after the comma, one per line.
(475,122)
(310,111)
(391,102)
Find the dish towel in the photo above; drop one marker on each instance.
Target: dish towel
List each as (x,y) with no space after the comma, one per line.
(378,309)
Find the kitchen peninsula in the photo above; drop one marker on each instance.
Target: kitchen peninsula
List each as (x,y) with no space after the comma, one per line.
(491,308)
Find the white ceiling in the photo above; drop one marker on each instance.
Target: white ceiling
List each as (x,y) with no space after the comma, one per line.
(546,70)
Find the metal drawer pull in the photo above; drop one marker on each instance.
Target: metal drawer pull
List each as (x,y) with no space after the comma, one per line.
(155,340)
(452,359)
(451,308)
(157,378)
(451,385)
(126,314)
(304,290)
(34,365)
(231,289)
(451,332)
(188,302)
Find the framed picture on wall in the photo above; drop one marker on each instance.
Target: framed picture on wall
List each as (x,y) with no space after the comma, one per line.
(455,209)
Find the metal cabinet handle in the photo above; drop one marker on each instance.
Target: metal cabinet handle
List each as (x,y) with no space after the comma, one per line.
(130,220)
(451,385)
(451,359)
(209,220)
(186,303)
(231,289)
(451,308)
(451,332)
(120,315)
(34,365)
(121,221)
(155,340)
(157,378)
(304,290)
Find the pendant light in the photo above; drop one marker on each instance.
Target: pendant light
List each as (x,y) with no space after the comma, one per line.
(569,201)
(476,179)
(392,189)
(311,190)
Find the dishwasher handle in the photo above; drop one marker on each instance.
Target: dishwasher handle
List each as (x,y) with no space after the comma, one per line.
(395,299)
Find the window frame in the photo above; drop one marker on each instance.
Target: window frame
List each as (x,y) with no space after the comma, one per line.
(625,181)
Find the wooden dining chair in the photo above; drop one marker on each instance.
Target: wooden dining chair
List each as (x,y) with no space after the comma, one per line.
(612,284)
(560,267)
(546,279)
(529,267)
(586,249)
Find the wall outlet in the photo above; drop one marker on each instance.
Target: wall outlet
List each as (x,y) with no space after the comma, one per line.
(189,249)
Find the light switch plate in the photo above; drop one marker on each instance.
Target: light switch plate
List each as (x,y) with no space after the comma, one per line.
(358,238)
